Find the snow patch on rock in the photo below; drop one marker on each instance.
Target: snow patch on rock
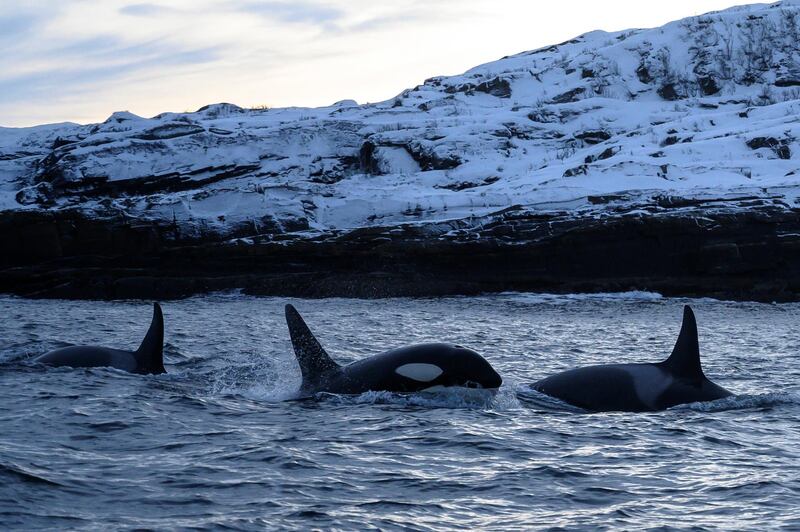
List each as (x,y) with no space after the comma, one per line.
(705,106)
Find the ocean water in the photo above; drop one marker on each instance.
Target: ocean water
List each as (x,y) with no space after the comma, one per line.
(219,442)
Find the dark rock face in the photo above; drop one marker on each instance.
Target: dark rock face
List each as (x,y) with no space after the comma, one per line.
(605,154)
(40,194)
(429,158)
(593,137)
(496,87)
(779,147)
(578,170)
(670,140)
(671,92)
(643,74)
(425,153)
(366,159)
(464,185)
(569,96)
(676,249)
(708,85)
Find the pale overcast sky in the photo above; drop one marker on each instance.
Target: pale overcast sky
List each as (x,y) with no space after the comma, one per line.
(80,60)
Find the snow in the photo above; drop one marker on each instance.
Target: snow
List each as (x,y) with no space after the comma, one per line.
(545,129)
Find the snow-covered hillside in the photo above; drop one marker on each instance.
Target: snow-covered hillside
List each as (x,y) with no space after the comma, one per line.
(703,107)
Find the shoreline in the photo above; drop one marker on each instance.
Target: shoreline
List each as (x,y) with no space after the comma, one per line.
(721,252)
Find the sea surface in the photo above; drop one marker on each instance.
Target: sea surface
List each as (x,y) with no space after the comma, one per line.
(220,443)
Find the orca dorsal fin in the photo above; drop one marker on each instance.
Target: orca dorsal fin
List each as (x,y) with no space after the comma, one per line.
(314,361)
(684,361)
(150,355)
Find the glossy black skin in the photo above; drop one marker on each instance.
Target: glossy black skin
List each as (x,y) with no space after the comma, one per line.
(457,366)
(460,367)
(90,357)
(148,359)
(639,387)
(612,387)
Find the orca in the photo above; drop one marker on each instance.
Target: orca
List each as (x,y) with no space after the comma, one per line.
(639,387)
(415,368)
(148,359)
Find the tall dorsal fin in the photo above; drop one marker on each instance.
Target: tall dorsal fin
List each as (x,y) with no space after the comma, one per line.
(684,361)
(150,355)
(314,361)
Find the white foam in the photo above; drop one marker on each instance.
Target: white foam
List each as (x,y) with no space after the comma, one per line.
(633,295)
(449,397)
(744,402)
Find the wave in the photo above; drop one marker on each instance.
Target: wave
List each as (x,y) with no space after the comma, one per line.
(539,401)
(19,473)
(448,398)
(744,402)
(267,392)
(633,295)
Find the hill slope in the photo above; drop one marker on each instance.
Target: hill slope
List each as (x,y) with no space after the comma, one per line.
(699,114)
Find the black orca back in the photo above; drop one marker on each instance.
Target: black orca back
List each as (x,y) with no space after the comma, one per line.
(637,387)
(407,369)
(604,388)
(149,358)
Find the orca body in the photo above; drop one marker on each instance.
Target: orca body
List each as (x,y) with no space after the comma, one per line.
(149,358)
(639,387)
(423,367)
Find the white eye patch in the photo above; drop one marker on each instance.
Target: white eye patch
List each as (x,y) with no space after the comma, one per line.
(419,372)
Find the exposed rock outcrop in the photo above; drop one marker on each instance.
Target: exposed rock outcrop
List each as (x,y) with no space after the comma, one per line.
(592,138)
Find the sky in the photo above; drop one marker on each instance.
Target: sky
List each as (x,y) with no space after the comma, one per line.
(81,60)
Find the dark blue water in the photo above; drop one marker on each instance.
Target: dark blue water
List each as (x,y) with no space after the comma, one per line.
(216,444)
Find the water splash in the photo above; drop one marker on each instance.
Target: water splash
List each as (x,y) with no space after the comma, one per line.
(454,397)
(560,299)
(744,402)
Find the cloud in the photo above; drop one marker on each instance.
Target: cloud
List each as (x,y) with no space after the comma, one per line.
(383,22)
(83,59)
(292,12)
(54,82)
(19,25)
(144,10)
(90,45)
(14,25)
(89,54)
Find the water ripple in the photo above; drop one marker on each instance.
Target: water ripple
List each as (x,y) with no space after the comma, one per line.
(218,442)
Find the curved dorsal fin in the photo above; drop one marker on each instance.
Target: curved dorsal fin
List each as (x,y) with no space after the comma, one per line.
(684,361)
(314,361)
(150,355)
